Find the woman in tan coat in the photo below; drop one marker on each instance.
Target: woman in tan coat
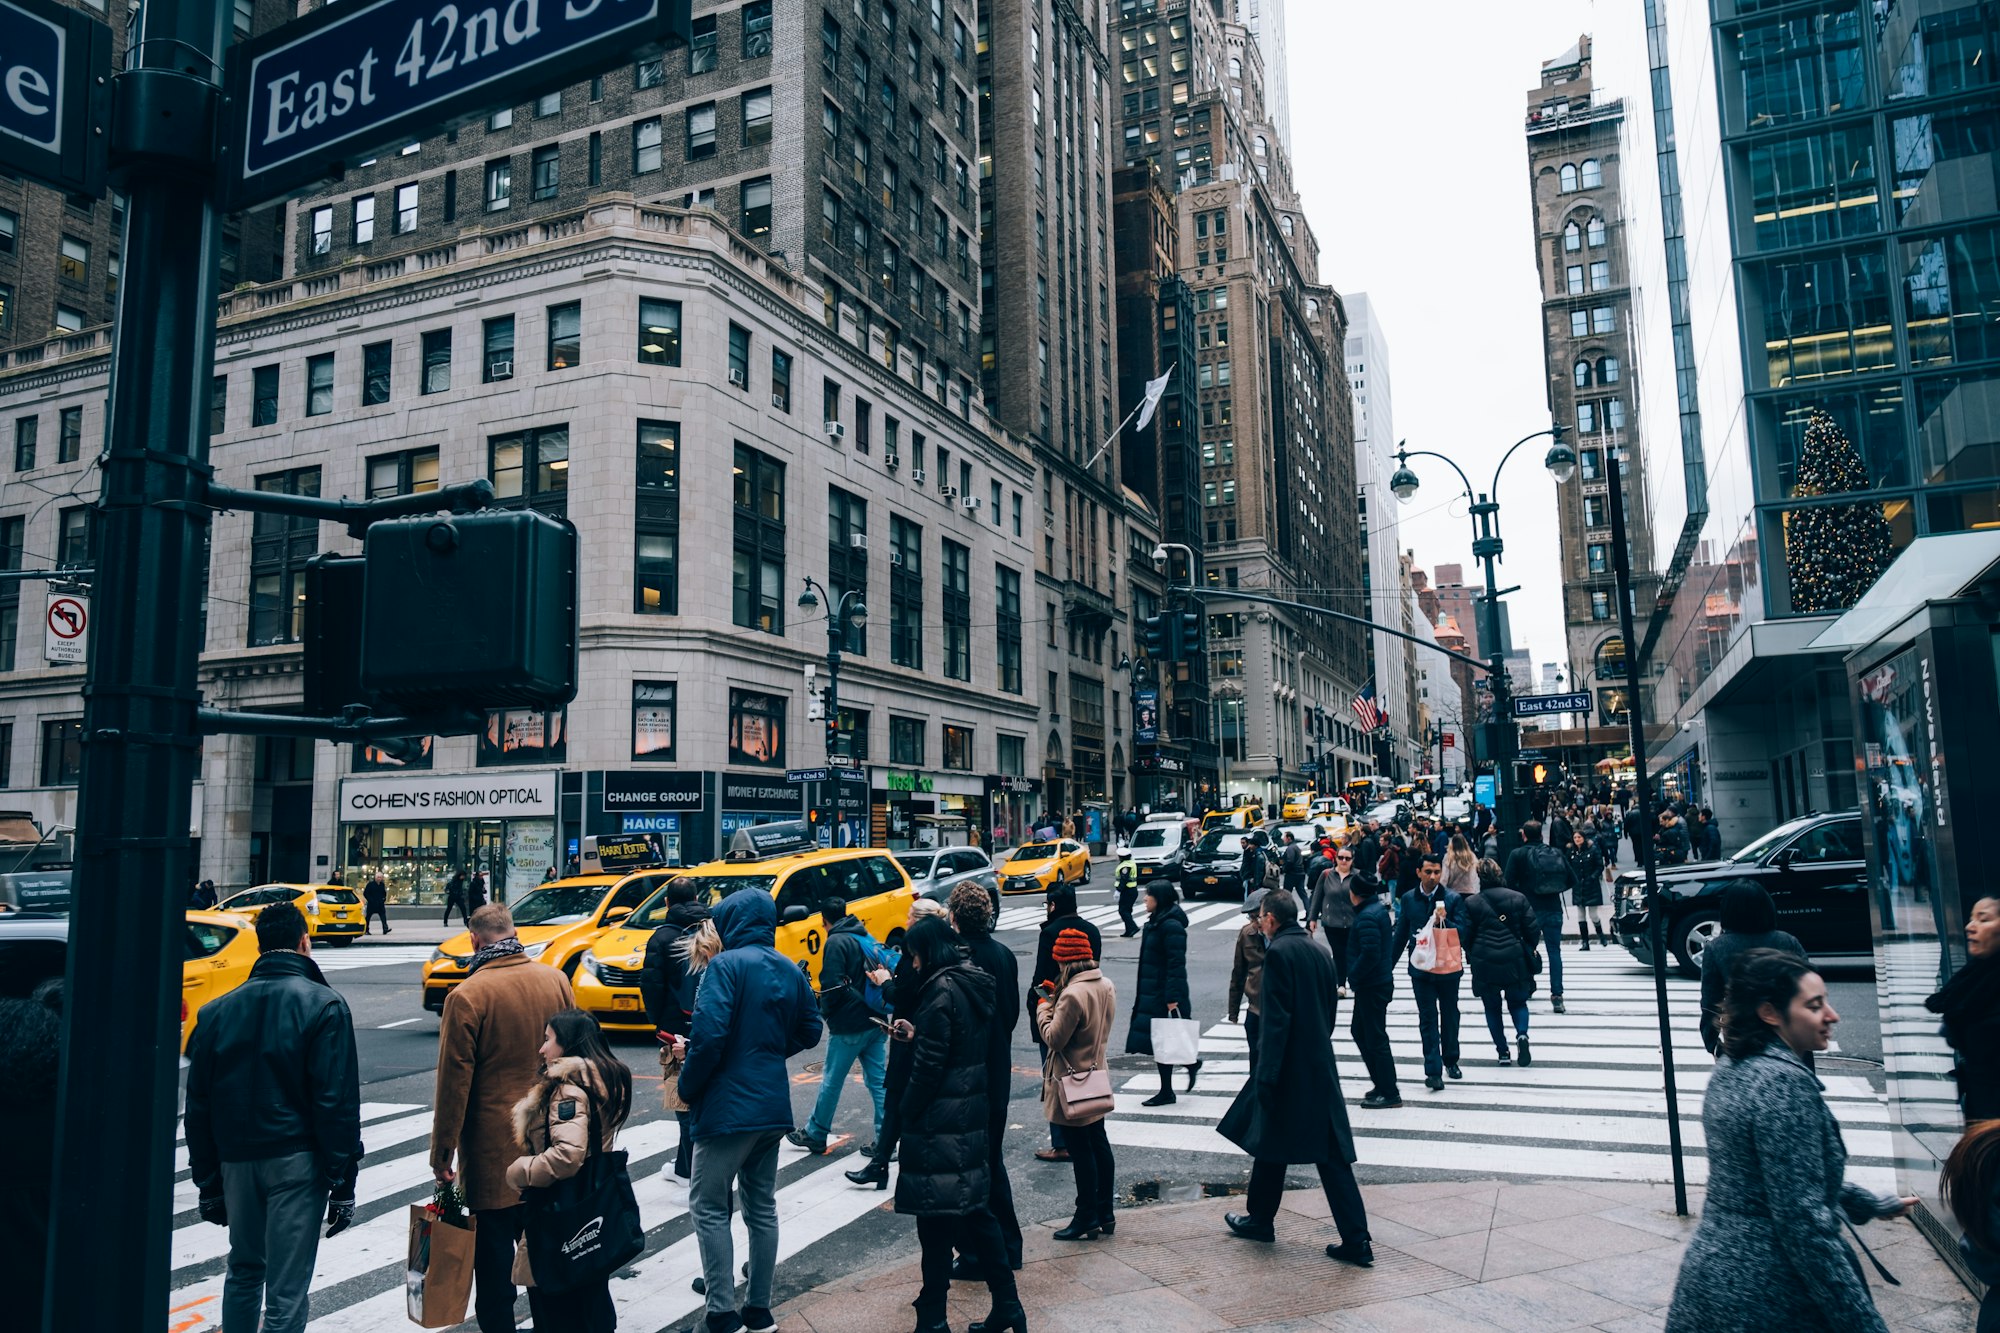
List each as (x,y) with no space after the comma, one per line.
(1074,1014)
(581,1084)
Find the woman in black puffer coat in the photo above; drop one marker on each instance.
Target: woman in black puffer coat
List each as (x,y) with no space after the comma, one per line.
(1161,990)
(945,1180)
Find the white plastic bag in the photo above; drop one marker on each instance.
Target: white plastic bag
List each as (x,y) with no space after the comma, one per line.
(1176,1041)
(1424,957)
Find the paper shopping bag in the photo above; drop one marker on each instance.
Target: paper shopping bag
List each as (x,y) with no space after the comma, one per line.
(437,1283)
(1176,1041)
(670,1081)
(1450,954)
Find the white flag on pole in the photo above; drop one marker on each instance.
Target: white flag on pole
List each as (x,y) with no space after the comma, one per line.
(1154,390)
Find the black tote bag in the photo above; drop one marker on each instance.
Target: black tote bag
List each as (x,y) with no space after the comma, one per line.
(584,1229)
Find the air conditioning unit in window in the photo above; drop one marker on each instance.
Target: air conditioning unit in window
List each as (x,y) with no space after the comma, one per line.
(892,461)
(896,558)
(949,493)
(778,401)
(917,475)
(500,370)
(970,503)
(739,379)
(858,540)
(836,430)
(945,488)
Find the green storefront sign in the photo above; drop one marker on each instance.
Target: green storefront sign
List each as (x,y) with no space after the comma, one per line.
(908,782)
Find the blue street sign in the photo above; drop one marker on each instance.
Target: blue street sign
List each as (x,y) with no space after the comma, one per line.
(353,79)
(807,775)
(650,824)
(55,71)
(1538,705)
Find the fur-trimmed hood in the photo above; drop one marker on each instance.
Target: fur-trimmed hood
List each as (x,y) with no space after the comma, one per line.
(569,1076)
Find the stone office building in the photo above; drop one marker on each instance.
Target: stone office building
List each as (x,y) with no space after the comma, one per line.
(646,374)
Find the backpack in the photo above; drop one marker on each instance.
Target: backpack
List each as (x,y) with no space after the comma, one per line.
(876,954)
(1551,869)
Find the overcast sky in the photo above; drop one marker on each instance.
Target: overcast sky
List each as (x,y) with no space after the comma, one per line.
(1408,149)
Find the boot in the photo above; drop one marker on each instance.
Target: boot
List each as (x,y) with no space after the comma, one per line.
(874,1173)
(1080,1228)
(1193,1069)
(1583,935)
(1602,938)
(1012,1319)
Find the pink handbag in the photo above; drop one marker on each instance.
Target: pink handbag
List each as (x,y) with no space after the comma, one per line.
(1084,1092)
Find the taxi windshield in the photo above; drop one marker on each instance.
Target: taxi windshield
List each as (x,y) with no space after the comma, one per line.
(1034,851)
(708,891)
(337,896)
(558,907)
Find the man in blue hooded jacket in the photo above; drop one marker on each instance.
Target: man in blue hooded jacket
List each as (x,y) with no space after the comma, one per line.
(754,1010)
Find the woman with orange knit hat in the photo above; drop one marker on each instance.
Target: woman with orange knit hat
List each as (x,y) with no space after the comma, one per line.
(1074,1014)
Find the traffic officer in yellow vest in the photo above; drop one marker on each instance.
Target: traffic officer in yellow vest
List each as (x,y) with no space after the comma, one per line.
(1127,880)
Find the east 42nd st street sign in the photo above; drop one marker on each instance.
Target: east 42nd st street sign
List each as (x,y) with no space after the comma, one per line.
(55,64)
(319,93)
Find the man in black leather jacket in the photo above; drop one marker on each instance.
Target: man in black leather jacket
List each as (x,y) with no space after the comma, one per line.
(274,1123)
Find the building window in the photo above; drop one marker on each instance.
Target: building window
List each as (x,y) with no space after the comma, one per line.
(1598,558)
(756,195)
(595,155)
(450,196)
(531,468)
(906,593)
(1572,237)
(1614,414)
(437,361)
(62,752)
(759,574)
(322,230)
(565,335)
(847,558)
(653,705)
(1566,177)
(646,145)
(1011,755)
(1593,174)
(1586,418)
(319,385)
(781,380)
(6,309)
(906,741)
(1581,374)
(659,332)
(524,737)
(499,185)
(701,49)
(1600,605)
(546,170)
(739,356)
(1600,275)
(12,532)
(656,578)
(500,120)
(958,747)
(364,219)
(1579,323)
(548,104)
(280,546)
(1593,511)
(1595,232)
(1590,464)
(1573,279)
(756,729)
(757,117)
(649,74)
(1007,628)
(376,373)
(264,396)
(406,473)
(69,319)
(957,611)
(1607,370)
(26,431)
(757,29)
(10,231)
(497,350)
(1602,320)
(73,538)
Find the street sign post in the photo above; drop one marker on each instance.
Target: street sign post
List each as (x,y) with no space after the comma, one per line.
(55,94)
(350,80)
(1540,705)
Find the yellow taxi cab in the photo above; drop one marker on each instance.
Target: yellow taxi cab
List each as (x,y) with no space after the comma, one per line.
(1037,867)
(1295,807)
(556,923)
(333,913)
(221,948)
(1246,816)
(782,859)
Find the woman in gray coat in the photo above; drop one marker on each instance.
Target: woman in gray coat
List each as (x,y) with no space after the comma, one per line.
(1768,1253)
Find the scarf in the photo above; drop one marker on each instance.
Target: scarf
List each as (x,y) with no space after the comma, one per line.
(506,948)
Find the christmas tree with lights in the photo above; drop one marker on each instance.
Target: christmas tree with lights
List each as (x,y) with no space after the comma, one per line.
(1834,553)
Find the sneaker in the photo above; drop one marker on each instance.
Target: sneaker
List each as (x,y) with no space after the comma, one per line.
(723,1321)
(1435,1082)
(758,1320)
(798,1139)
(1557,1001)
(1382,1101)
(1453,1071)
(1527,1056)
(1506,1056)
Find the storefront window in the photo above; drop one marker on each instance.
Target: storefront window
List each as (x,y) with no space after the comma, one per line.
(653,705)
(523,737)
(756,729)
(958,747)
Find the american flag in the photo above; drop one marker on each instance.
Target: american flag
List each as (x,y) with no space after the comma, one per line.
(1372,717)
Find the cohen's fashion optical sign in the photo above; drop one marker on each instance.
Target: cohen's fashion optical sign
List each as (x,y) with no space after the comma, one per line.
(447,796)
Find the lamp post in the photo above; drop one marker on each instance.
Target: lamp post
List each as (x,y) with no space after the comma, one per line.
(1621,566)
(1502,742)
(848,611)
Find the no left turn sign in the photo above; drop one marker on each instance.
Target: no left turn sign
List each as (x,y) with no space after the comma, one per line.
(68,618)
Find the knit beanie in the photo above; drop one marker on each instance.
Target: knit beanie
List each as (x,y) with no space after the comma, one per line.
(1072,946)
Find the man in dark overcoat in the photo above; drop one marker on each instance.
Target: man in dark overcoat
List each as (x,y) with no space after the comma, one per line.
(1291,1112)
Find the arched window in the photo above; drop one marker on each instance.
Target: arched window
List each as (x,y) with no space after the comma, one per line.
(1285,225)
(1582,374)
(1596,232)
(1568,177)
(1593,175)
(1611,659)
(1607,370)
(1572,237)
(1260,146)
(1235,68)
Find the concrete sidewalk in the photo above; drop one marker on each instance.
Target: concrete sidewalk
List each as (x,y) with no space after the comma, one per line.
(1450,1257)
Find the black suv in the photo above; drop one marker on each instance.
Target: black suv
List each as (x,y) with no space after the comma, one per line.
(1814,869)
(1213,867)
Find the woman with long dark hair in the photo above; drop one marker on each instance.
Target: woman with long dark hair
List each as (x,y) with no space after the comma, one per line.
(1969,1004)
(1161,990)
(1749,921)
(584,1093)
(1971,1187)
(945,1180)
(1769,1253)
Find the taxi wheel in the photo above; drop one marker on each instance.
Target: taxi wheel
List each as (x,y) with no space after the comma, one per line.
(341,940)
(1086,872)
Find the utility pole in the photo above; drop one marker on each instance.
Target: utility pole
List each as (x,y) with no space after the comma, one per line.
(118,1100)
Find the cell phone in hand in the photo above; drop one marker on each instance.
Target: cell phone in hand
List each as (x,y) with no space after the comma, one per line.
(882,1023)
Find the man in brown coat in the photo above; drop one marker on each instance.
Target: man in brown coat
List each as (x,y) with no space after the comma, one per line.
(489,1047)
(1246,972)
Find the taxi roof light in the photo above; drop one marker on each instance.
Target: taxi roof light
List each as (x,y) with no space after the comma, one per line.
(762,842)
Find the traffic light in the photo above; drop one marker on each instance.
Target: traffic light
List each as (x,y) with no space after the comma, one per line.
(1187,636)
(1153,632)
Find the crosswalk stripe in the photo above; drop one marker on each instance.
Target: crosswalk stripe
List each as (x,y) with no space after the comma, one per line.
(370,1113)
(371,955)
(376,1139)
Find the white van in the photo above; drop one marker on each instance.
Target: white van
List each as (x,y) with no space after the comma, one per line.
(1158,846)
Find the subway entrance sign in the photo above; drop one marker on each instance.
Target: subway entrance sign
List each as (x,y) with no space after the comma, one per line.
(351,80)
(55,71)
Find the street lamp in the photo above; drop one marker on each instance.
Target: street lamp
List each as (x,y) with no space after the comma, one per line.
(1621,567)
(848,611)
(1501,741)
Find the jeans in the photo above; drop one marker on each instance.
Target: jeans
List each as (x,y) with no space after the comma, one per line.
(493,1267)
(1436,995)
(1343,1196)
(586,1309)
(275,1207)
(749,1161)
(1096,1170)
(1517,1006)
(1370,1029)
(871,1048)
(1550,919)
(974,1234)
